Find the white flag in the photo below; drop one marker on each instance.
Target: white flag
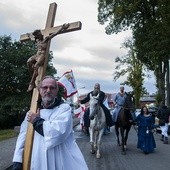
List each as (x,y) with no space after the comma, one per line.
(79,112)
(68,82)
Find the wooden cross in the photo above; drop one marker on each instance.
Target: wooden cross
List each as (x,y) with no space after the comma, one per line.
(49,29)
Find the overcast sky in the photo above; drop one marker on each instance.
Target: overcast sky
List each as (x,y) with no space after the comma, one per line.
(90,53)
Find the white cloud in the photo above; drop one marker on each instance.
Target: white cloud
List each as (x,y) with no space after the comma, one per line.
(90,53)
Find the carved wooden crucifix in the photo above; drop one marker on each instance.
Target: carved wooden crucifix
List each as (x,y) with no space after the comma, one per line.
(49,29)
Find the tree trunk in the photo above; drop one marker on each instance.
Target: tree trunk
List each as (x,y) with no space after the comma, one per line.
(167,84)
(160,74)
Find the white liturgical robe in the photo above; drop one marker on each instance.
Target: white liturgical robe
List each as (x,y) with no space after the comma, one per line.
(57,149)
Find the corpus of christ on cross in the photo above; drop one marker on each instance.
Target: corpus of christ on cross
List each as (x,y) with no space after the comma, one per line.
(49,30)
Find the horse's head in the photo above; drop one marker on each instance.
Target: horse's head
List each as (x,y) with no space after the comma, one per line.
(125,116)
(93,105)
(129,101)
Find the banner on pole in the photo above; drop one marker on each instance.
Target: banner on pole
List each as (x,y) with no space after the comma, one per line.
(79,112)
(67,80)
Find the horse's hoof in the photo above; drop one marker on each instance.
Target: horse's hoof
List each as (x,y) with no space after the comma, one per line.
(92,152)
(123,153)
(98,156)
(119,144)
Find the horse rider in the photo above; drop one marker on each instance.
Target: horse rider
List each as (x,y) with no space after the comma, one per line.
(119,102)
(102,97)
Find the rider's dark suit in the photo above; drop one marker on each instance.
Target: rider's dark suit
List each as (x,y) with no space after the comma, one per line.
(102,95)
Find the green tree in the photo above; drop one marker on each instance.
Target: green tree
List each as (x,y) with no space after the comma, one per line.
(132,67)
(149,21)
(15,101)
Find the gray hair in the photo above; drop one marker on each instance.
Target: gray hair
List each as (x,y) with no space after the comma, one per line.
(48,77)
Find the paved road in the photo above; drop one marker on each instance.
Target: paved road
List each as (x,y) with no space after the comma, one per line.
(111,154)
(112,159)
(6,152)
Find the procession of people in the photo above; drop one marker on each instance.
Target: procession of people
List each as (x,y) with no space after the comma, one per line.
(144,121)
(53,128)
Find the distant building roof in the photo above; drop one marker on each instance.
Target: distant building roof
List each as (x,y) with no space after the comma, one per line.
(147,99)
(111,97)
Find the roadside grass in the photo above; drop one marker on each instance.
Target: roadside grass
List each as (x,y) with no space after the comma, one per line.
(7,133)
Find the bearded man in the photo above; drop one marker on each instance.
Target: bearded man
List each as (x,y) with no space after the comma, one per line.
(54,146)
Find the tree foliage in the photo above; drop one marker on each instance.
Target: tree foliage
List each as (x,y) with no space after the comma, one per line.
(149,21)
(15,78)
(132,67)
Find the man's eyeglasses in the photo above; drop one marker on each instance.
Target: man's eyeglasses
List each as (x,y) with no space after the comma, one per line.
(48,87)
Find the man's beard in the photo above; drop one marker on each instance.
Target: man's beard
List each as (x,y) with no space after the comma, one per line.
(95,92)
(48,100)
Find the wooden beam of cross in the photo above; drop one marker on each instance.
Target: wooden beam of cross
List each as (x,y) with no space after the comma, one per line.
(49,29)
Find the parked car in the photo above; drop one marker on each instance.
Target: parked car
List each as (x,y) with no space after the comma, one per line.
(153,110)
(137,112)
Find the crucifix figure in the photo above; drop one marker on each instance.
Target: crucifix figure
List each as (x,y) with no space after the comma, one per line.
(37,60)
(42,39)
(37,66)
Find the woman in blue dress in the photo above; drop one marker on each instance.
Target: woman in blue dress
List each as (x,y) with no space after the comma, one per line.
(145,122)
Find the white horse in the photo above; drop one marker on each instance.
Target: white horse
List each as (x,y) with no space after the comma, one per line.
(97,124)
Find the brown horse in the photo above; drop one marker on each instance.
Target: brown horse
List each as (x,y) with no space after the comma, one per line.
(124,122)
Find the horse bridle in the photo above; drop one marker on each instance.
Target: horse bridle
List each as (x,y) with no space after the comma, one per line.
(95,110)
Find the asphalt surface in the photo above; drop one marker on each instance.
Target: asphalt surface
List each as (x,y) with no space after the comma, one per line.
(111,158)
(135,159)
(6,152)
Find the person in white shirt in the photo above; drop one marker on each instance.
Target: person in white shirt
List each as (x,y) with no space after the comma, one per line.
(54,146)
